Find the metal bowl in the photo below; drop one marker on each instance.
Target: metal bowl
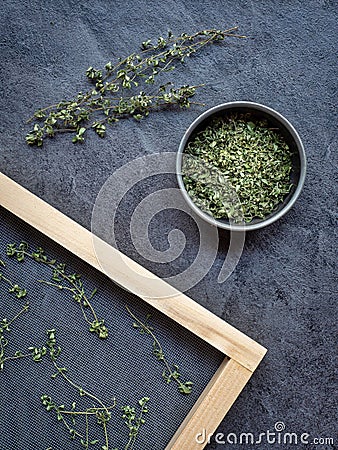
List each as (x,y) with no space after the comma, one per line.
(275,120)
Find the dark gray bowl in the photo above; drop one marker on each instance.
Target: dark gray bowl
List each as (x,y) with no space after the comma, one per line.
(275,120)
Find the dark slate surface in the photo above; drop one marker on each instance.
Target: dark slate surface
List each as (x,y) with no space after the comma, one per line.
(284,288)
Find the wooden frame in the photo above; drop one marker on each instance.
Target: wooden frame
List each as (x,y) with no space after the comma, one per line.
(242,354)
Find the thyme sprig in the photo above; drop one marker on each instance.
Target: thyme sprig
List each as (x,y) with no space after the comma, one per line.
(107,102)
(35,353)
(134,423)
(102,412)
(63,281)
(171,371)
(13,287)
(4,330)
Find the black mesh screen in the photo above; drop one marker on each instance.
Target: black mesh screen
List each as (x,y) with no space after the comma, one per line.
(121,366)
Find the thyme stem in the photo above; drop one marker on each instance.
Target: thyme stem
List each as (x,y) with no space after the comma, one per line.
(83,111)
(170,372)
(75,284)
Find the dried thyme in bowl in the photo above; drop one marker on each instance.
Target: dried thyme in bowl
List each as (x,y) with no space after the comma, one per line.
(247,155)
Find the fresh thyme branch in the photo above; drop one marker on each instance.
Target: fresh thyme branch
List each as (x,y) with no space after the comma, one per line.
(36,353)
(170,371)
(134,422)
(112,98)
(101,413)
(13,287)
(62,280)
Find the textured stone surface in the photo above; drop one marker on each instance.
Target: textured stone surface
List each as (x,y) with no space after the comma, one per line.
(284,289)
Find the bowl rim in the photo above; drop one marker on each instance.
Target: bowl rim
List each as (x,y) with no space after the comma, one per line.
(258,107)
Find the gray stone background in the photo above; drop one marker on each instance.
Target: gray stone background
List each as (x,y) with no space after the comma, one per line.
(283,290)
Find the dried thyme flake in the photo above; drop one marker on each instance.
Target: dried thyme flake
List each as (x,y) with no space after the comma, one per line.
(253,159)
